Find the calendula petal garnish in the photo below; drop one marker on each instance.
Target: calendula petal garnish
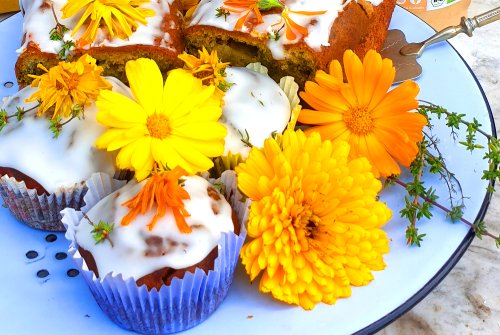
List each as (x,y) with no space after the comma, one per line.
(292,28)
(120,18)
(163,191)
(377,122)
(314,221)
(248,9)
(175,124)
(207,67)
(67,87)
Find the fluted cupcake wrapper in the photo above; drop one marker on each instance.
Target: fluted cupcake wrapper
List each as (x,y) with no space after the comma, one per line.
(39,211)
(185,302)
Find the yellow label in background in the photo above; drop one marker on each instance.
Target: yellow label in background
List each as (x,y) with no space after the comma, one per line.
(438,4)
(9,6)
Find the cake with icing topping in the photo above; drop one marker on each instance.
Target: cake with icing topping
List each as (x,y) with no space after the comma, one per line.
(60,29)
(293,37)
(58,117)
(155,256)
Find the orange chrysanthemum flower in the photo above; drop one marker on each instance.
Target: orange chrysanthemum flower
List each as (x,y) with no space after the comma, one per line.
(377,123)
(314,221)
(164,191)
(120,17)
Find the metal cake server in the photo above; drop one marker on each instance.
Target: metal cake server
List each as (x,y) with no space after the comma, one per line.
(404,55)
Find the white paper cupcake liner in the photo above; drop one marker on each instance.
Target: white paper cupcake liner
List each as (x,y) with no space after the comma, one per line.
(39,211)
(179,306)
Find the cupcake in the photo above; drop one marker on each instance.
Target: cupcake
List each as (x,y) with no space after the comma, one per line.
(55,121)
(254,106)
(157,279)
(159,253)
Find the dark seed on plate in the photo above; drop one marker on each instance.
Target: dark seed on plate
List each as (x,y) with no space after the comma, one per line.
(61,255)
(42,273)
(50,238)
(72,272)
(31,254)
(8,84)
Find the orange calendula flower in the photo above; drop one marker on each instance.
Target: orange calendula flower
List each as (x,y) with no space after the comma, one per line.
(377,123)
(292,28)
(68,87)
(163,190)
(207,67)
(314,221)
(247,7)
(120,17)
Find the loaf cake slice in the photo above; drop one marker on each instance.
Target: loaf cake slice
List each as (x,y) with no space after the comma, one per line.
(112,32)
(292,37)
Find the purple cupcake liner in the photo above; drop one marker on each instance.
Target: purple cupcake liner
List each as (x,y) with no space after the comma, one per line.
(40,211)
(179,306)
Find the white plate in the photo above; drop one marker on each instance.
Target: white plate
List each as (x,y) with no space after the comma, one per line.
(59,304)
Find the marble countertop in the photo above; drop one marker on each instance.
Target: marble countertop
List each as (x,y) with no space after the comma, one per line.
(467,301)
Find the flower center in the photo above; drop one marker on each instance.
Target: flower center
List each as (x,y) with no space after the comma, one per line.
(359,120)
(71,82)
(158,126)
(309,222)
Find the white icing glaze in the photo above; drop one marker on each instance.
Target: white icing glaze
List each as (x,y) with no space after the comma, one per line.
(28,146)
(319,26)
(39,22)
(254,103)
(127,256)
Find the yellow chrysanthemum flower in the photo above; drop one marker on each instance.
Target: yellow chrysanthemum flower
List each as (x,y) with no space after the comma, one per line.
(207,67)
(169,125)
(314,220)
(377,123)
(68,86)
(120,17)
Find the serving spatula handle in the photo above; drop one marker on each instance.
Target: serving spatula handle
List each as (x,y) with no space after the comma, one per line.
(467,26)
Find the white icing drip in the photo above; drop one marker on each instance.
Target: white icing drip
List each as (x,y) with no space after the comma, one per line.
(39,22)
(55,163)
(127,256)
(319,26)
(254,103)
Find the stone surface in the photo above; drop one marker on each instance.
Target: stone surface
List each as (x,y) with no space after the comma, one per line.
(468,300)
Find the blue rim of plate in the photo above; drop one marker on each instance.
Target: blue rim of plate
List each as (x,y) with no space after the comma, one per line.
(459,251)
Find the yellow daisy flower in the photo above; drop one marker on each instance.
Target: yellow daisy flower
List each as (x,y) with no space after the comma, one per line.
(207,67)
(314,221)
(169,125)
(121,17)
(377,123)
(67,87)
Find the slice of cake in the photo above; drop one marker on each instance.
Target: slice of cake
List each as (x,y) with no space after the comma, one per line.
(112,32)
(292,37)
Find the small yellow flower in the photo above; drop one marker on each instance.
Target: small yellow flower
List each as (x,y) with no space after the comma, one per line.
(120,17)
(377,123)
(314,221)
(169,125)
(207,67)
(68,86)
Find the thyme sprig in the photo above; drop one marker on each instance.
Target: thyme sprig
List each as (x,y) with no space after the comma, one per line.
(101,231)
(57,34)
(56,124)
(420,199)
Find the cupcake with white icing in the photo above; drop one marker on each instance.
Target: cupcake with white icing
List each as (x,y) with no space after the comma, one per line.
(159,253)
(161,280)
(57,129)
